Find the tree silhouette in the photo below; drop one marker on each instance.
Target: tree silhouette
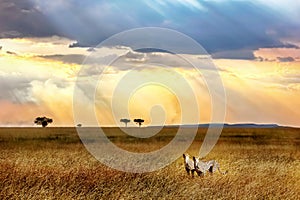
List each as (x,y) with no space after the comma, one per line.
(44,121)
(139,121)
(125,121)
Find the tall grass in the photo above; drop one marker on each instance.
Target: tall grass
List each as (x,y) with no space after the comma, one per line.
(52,163)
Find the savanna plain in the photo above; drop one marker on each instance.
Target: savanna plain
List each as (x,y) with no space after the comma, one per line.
(52,163)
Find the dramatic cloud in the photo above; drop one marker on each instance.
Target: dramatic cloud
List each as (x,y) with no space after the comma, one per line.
(20,18)
(235,54)
(44,47)
(219,26)
(285,59)
(278,54)
(69,58)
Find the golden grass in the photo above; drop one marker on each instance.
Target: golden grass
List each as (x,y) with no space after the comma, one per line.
(52,163)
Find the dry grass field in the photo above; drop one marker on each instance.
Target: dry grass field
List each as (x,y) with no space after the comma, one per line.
(52,163)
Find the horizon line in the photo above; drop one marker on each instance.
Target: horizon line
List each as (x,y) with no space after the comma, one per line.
(166,125)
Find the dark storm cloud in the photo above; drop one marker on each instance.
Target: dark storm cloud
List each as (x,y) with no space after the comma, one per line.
(220,26)
(10,34)
(20,18)
(91,49)
(69,58)
(11,53)
(135,56)
(285,59)
(235,54)
(233,25)
(77,44)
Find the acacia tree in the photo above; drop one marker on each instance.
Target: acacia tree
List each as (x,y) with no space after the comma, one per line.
(44,121)
(125,121)
(139,121)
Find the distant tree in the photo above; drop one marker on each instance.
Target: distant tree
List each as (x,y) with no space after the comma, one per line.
(44,121)
(139,121)
(79,125)
(125,121)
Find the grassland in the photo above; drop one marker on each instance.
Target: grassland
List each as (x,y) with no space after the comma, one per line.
(52,163)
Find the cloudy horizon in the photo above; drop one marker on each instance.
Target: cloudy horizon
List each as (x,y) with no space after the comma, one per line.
(254,44)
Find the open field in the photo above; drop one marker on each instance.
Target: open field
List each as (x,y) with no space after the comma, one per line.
(52,163)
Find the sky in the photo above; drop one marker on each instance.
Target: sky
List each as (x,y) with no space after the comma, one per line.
(255,46)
